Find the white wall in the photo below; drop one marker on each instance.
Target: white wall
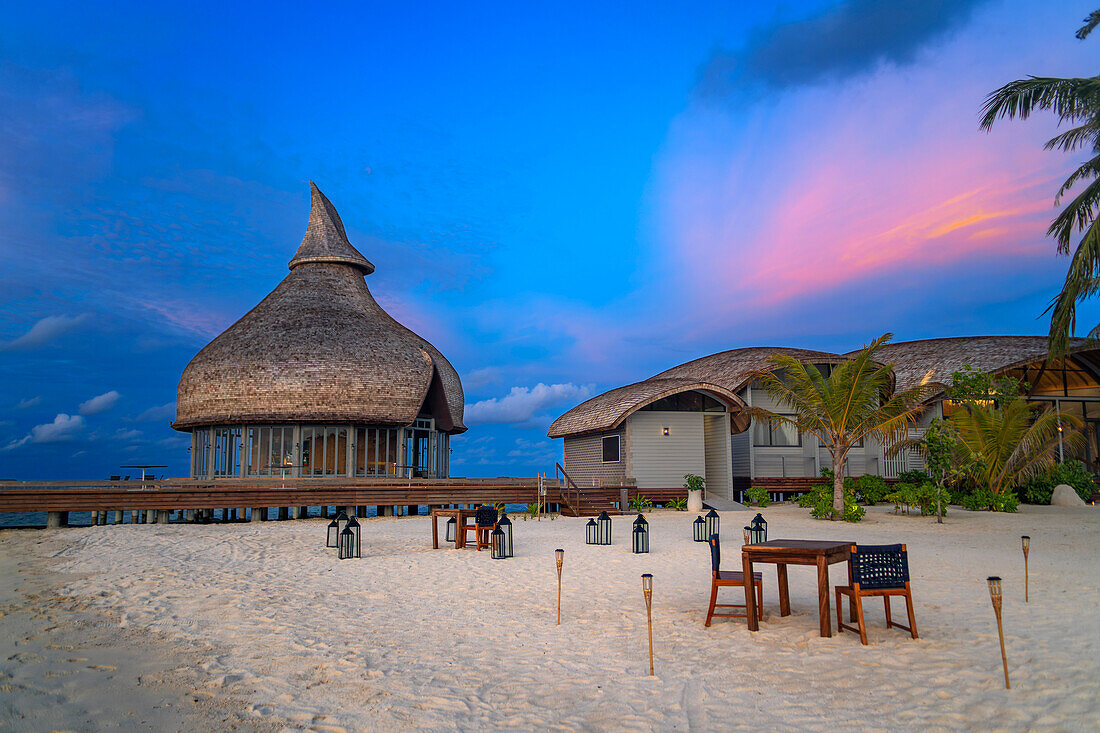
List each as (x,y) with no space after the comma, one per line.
(660,461)
(719,463)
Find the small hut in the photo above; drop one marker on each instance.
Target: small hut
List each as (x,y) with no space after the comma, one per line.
(318,380)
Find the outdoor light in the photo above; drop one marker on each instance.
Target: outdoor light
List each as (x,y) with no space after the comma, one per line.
(451,525)
(746,532)
(333,534)
(640,535)
(559,558)
(496,544)
(591,533)
(711,522)
(603,529)
(995,597)
(342,519)
(347,544)
(758,530)
(505,526)
(647,591)
(664,430)
(1025,543)
(699,529)
(354,526)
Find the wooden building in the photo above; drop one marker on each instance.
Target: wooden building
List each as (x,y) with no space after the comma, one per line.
(318,380)
(691,419)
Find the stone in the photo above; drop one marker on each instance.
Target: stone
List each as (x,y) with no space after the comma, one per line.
(1065,495)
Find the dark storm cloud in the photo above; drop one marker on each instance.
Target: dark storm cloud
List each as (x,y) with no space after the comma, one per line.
(844,40)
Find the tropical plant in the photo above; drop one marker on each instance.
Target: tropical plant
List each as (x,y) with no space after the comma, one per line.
(693,482)
(870,489)
(973,385)
(939,446)
(758,495)
(924,496)
(982,499)
(1005,446)
(852,403)
(1076,102)
(1072,473)
(532,510)
(679,505)
(640,503)
(820,501)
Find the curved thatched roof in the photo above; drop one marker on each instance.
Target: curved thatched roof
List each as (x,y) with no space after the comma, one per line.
(722,374)
(319,349)
(933,361)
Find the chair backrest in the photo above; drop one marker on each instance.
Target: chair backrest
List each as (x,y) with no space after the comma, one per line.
(880,566)
(485,516)
(715,553)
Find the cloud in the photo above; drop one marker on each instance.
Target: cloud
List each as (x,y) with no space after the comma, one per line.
(63,427)
(45,331)
(522,403)
(126,434)
(480,378)
(167,411)
(99,403)
(844,40)
(28,402)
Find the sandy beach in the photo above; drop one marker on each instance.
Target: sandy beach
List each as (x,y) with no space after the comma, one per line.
(258,626)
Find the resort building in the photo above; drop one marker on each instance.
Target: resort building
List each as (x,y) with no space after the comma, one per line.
(318,380)
(692,419)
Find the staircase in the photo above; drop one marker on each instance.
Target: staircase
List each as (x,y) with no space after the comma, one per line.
(587,502)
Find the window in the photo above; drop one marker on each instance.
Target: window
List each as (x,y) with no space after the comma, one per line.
(766,434)
(611,449)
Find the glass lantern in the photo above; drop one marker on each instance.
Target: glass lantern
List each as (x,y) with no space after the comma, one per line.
(640,535)
(591,533)
(758,530)
(505,526)
(354,526)
(699,529)
(333,534)
(451,525)
(711,521)
(496,544)
(603,529)
(347,544)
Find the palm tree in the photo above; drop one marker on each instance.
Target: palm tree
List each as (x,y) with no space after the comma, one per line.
(1077,102)
(852,403)
(1005,446)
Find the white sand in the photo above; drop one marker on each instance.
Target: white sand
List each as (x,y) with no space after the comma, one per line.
(410,637)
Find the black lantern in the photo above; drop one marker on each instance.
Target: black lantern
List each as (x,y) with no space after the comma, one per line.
(496,544)
(603,529)
(333,534)
(711,521)
(451,525)
(341,519)
(505,526)
(699,529)
(353,525)
(347,544)
(640,535)
(590,533)
(758,530)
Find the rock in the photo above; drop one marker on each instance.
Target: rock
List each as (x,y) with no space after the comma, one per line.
(1065,495)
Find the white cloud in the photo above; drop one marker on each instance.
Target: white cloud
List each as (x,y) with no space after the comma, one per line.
(479,378)
(99,403)
(28,402)
(126,434)
(522,403)
(44,331)
(63,427)
(167,411)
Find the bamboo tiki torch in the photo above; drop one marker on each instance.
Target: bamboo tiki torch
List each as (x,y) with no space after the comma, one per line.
(1025,543)
(746,535)
(647,591)
(995,596)
(559,557)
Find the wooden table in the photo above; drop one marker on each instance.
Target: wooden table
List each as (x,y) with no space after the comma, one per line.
(460,516)
(821,553)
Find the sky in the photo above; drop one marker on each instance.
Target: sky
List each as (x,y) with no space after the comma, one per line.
(563,198)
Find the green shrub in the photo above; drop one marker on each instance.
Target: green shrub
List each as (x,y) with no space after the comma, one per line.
(758,495)
(679,505)
(641,504)
(1073,473)
(982,499)
(869,489)
(820,501)
(913,477)
(916,496)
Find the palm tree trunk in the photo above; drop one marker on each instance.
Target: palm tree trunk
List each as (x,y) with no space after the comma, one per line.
(838,483)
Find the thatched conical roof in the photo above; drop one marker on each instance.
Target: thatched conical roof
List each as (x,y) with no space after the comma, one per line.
(319,349)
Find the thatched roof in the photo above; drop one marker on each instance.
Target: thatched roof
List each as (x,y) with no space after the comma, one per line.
(933,361)
(319,349)
(721,374)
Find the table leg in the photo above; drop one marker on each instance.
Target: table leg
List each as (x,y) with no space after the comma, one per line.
(435,532)
(750,601)
(460,531)
(784,592)
(823,596)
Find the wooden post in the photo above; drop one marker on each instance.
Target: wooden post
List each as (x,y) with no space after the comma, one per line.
(995,596)
(1025,542)
(559,557)
(647,591)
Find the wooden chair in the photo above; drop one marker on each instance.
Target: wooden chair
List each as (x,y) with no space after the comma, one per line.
(485,519)
(736,578)
(877,570)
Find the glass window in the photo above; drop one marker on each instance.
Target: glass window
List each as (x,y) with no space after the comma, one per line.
(766,434)
(611,449)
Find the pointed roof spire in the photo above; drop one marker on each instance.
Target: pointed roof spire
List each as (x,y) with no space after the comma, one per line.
(325,239)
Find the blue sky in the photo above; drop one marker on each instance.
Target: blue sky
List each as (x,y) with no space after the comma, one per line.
(562,199)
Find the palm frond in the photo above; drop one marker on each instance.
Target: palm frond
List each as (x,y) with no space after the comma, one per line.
(1086,135)
(1088,169)
(1070,99)
(1077,215)
(1082,281)
(1090,22)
